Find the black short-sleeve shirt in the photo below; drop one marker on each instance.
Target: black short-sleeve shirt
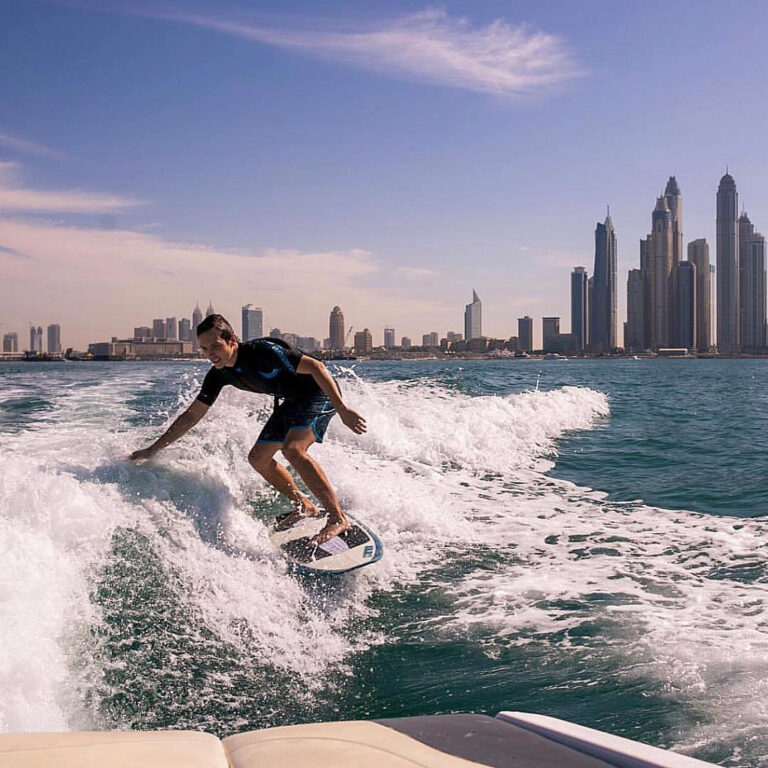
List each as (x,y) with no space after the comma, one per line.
(267,366)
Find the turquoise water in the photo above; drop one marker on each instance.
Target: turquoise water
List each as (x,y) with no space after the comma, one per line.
(584,539)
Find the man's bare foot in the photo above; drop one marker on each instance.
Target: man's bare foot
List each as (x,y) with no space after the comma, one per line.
(332,528)
(306,509)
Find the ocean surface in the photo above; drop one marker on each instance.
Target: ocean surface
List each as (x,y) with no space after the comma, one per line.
(582,538)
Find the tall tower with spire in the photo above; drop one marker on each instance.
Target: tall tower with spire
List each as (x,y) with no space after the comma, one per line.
(661,304)
(603,317)
(728,315)
(675,205)
(210,310)
(197,318)
(473,318)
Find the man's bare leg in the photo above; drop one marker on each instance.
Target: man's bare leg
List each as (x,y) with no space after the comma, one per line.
(261,458)
(295,450)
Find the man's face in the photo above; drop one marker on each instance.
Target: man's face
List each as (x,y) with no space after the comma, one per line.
(219,351)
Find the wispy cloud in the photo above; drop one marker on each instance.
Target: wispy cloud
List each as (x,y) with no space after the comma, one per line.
(15,144)
(416,272)
(13,252)
(430,47)
(16,197)
(93,279)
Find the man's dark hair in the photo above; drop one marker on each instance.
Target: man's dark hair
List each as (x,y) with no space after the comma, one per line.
(220,324)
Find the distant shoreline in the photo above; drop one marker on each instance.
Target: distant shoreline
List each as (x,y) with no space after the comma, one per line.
(395,359)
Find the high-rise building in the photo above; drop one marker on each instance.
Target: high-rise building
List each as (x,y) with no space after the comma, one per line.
(603,320)
(728,342)
(431,339)
(698,254)
(336,330)
(210,310)
(275,333)
(389,338)
(712,304)
(308,344)
(634,336)
(646,269)
(525,333)
(363,342)
(685,305)
(675,204)
(159,330)
(172,328)
(197,318)
(54,339)
(185,329)
(36,339)
(579,309)
(473,318)
(751,287)
(405,342)
(550,329)
(253,320)
(142,332)
(11,342)
(662,263)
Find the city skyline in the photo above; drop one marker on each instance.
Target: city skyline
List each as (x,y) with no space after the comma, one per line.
(459,175)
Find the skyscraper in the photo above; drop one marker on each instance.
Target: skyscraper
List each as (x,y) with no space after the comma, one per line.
(159,329)
(363,342)
(727,267)
(253,327)
(698,254)
(675,204)
(336,331)
(185,329)
(171,328)
(54,339)
(685,305)
(634,331)
(525,333)
(11,342)
(751,287)
(389,338)
(473,318)
(579,310)
(602,326)
(550,330)
(662,262)
(210,310)
(197,318)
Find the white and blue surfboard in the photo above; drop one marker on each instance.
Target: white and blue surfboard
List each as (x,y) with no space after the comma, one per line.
(354,548)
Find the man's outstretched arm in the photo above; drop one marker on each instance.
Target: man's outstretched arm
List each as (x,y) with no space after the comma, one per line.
(181,425)
(325,381)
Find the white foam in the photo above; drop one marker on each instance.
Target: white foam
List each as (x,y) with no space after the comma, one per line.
(438,473)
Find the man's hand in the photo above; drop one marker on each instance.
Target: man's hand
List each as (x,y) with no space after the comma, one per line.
(353,420)
(144,453)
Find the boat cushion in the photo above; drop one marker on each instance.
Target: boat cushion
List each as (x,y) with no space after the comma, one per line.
(353,744)
(116,749)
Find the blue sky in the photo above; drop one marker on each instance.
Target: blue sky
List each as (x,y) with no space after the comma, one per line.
(386,157)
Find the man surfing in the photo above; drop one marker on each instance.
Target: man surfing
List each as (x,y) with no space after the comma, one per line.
(306,398)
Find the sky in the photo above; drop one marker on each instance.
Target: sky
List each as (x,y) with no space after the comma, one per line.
(386,157)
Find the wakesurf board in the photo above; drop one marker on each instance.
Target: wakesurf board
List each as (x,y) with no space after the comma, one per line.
(354,548)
